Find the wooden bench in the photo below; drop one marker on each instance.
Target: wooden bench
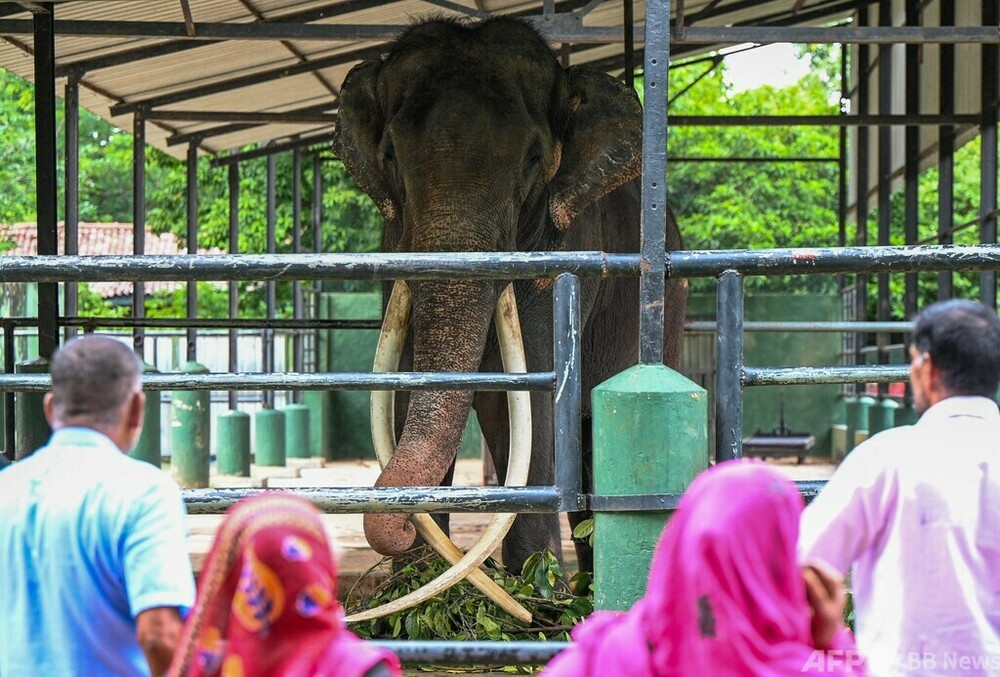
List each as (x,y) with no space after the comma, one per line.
(779,446)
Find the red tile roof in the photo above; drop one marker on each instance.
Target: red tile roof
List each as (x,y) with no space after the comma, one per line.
(100,239)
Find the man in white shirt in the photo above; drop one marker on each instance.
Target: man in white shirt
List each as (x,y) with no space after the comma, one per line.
(915,511)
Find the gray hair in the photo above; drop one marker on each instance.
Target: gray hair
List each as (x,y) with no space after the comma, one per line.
(93,378)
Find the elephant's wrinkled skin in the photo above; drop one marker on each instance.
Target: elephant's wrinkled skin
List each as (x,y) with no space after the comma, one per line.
(472,137)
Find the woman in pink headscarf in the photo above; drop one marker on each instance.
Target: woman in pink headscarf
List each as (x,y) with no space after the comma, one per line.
(267,601)
(726,595)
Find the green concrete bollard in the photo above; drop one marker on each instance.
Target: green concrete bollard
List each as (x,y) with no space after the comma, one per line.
(320,403)
(147,448)
(851,413)
(190,432)
(907,415)
(269,437)
(882,416)
(297,431)
(650,436)
(865,403)
(838,431)
(31,430)
(233,444)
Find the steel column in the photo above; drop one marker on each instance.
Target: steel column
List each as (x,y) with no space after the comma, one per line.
(568,392)
(8,398)
(946,150)
(317,224)
(271,301)
(884,309)
(988,183)
(911,195)
(138,225)
(729,367)
(192,246)
(46,191)
(297,364)
(861,184)
(71,106)
(234,291)
(654,185)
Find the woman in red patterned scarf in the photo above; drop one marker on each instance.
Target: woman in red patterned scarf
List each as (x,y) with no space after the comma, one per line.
(267,601)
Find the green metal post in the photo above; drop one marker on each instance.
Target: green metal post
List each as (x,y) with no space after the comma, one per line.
(31,430)
(233,443)
(650,437)
(269,437)
(297,431)
(190,432)
(147,448)
(882,416)
(320,403)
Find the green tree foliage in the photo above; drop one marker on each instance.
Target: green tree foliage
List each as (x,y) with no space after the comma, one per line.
(350,221)
(755,205)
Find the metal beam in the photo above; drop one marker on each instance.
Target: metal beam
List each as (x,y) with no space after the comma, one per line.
(990,92)
(202,134)
(270,150)
(260,77)
(174,47)
(821,35)
(862,119)
(558,28)
(239,116)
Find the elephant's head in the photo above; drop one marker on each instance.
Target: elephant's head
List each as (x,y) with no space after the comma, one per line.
(473,138)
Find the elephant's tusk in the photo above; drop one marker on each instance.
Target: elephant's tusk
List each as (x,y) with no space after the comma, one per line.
(465,565)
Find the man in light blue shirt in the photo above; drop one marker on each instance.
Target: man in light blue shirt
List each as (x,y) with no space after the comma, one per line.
(94,567)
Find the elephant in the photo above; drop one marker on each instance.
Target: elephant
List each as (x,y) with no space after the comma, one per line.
(470,136)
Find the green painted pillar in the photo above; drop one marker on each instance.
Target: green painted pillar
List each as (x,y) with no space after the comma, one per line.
(907,415)
(865,403)
(320,403)
(838,430)
(297,431)
(882,416)
(147,448)
(650,436)
(233,444)
(190,432)
(269,437)
(852,412)
(31,430)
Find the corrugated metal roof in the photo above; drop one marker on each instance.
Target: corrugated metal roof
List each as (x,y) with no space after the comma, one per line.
(214,62)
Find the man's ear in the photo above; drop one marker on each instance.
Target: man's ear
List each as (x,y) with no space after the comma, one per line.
(136,410)
(48,406)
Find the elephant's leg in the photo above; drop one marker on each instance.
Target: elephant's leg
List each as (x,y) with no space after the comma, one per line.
(531,532)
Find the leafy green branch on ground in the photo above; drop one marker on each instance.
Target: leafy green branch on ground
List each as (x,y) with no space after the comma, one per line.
(463,612)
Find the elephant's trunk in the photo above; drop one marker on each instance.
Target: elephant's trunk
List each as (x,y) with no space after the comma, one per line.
(450,321)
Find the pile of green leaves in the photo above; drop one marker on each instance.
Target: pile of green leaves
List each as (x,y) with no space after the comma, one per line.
(463,613)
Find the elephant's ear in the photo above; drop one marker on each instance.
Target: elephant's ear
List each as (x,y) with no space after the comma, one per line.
(602,145)
(360,123)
